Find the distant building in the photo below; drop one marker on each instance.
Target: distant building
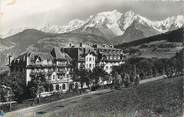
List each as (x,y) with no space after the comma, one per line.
(110,57)
(56,66)
(78,55)
(89,57)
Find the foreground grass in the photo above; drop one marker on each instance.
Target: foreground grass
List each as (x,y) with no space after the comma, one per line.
(163,97)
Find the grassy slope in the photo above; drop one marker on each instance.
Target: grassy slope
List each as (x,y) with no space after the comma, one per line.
(164,97)
(153,49)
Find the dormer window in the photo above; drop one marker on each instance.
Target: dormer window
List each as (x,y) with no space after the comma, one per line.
(111,57)
(37,61)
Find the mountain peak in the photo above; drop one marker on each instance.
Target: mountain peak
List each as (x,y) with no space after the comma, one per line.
(112,16)
(74,24)
(107,21)
(130,13)
(112,22)
(110,13)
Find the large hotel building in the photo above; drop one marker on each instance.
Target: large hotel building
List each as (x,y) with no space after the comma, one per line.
(57,65)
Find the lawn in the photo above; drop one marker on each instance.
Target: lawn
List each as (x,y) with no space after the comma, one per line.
(163,97)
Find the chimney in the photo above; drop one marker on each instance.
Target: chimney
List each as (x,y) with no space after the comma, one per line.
(104,45)
(80,45)
(112,46)
(94,45)
(70,44)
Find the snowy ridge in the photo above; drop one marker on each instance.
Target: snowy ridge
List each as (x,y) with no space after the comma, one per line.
(72,25)
(113,21)
(109,19)
(164,25)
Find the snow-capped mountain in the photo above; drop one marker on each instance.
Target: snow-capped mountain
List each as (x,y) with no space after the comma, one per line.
(111,24)
(109,20)
(72,25)
(170,23)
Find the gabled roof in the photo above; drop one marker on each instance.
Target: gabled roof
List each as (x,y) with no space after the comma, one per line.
(40,55)
(92,52)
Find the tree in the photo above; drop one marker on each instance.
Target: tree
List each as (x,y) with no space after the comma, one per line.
(17,83)
(97,72)
(145,65)
(179,61)
(37,84)
(82,75)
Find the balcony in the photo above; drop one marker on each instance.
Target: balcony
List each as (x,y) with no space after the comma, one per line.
(63,80)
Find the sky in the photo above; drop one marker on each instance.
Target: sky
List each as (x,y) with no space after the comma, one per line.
(32,13)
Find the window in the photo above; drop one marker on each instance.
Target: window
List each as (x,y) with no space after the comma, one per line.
(110,57)
(64,86)
(90,59)
(115,57)
(53,77)
(57,87)
(89,65)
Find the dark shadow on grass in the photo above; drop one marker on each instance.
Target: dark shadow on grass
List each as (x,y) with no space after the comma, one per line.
(41,113)
(60,106)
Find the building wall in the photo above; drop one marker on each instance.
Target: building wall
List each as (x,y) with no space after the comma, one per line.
(113,57)
(90,61)
(28,78)
(18,66)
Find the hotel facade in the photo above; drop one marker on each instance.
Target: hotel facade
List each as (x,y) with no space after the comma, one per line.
(55,66)
(59,64)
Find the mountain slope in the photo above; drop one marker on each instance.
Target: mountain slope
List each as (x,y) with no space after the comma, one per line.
(5,44)
(119,27)
(164,45)
(34,40)
(63,40)
(27,37)
(134,32)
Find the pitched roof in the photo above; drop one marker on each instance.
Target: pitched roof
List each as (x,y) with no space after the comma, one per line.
(41,55)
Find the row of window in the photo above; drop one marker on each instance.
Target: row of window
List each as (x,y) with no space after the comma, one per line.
(90,65)
(18,69)
(61,76)
(113,57)
(110,51)
(64,69)
(59,87)
(61,63)
(50,69)
(108,67)
(90,59)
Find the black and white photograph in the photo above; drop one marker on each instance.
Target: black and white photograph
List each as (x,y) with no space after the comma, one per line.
(91,58)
